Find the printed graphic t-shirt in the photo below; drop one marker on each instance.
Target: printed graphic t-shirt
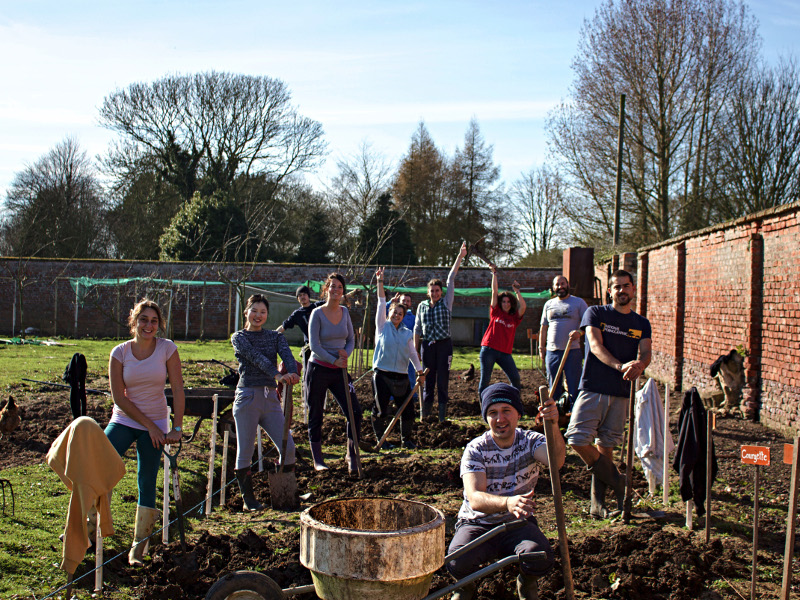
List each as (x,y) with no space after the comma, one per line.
(500,333)
(509,471)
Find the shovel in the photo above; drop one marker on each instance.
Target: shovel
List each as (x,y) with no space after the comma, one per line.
(282,483)
(176,490)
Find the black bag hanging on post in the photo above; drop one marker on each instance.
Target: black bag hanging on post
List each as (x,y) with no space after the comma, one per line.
(75,376)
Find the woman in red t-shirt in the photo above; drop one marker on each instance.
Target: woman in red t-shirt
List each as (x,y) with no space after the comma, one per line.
(505,314)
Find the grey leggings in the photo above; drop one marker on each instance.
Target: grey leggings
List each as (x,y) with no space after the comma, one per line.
(256,406)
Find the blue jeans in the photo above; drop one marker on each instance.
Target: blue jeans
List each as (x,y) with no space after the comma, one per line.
(572,373)
(488,358)
(148,458)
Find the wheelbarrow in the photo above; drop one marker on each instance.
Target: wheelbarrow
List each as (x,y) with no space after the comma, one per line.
(200,403)
(368,548)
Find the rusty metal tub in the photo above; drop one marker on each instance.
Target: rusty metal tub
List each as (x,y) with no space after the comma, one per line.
(365,548)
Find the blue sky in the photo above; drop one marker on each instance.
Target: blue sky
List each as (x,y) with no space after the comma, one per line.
(366,70)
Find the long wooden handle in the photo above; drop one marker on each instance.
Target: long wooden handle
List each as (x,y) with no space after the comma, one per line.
(287,422)
(351,417)
(550,432)
(559,372)
(626,513)
(399,413)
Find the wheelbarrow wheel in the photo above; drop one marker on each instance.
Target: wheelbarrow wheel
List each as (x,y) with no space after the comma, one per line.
(245,585)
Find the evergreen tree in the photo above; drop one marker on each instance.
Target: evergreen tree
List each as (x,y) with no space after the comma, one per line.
(315,241)
(385,238)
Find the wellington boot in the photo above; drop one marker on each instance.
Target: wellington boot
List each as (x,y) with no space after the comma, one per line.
(606,472)
(465,592)
(316,455)
(379,426)
(245,479)
(442,413)
(407,434)
(352,463)
(427,409)
(527,587)
(146,519)
(598,499)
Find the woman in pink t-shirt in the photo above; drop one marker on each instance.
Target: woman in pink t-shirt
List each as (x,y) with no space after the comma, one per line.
(505,314)
(137,371)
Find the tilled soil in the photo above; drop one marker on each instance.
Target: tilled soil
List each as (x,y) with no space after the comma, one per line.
(650,559)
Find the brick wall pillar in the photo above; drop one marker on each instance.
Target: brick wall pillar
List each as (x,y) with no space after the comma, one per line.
(680,312)
(578,267)
(755,314)
(641,285)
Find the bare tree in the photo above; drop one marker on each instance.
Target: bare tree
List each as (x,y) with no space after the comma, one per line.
(55,207)
(360,181)
(762,158)
(538,198)
(204,130)
(675,61)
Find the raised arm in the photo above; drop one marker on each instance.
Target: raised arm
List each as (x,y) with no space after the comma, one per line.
(451,277)
(521,306)
(493,302)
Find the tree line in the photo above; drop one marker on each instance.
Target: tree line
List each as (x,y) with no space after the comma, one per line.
(211,166)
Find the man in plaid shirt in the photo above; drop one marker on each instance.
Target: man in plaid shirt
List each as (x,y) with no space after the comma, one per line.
(432,338)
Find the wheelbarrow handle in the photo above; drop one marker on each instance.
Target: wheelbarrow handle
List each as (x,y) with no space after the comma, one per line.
(510,526)
(496,566)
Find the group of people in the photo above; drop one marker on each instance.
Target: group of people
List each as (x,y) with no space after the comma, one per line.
(499,469)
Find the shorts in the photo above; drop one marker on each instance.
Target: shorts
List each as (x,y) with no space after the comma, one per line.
(597,416)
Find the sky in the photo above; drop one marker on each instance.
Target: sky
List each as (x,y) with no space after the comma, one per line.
(368,71)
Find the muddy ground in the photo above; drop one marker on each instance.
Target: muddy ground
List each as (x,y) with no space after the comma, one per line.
(652,558)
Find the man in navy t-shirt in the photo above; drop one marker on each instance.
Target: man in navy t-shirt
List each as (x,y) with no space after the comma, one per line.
(617,352)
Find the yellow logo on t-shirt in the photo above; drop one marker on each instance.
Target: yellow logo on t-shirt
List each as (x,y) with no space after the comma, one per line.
(635,333)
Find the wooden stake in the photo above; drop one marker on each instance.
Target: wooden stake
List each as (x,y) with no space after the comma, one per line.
(550,431)
(223,478)
(709,480)
(754,572)
(98,556)
(665,474)
(791,522)
(626,513)
(212,455)
(530,339)
(689,515)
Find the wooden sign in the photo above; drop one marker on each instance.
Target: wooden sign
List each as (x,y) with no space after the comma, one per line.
(755,455)
(530,334)
(788,454)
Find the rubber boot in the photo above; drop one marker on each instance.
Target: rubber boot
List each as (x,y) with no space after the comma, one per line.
(427,409)
(146,519)
(352,466)
(407,434)
(316,455)
(527,587)
(598,507)
(465,592)
(379,426)
(442,413)
(245,479)
(606,472)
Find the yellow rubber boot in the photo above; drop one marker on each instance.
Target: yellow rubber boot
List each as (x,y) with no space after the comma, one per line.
(146,518)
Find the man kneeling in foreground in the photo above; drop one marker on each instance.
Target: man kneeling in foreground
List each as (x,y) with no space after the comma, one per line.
(500,471)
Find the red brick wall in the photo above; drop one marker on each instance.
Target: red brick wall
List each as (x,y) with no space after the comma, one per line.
(733,285)
(48,300)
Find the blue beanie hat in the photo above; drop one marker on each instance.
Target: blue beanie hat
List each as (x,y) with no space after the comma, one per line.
(500,392)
